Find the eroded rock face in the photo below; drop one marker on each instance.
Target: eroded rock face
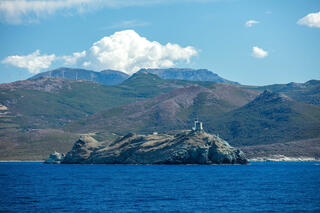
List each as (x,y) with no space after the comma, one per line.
(81,150)
(185,147)
(55,158)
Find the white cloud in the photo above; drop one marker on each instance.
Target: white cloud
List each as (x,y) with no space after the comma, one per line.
(34,62)
(73,59)
(310,20)
(18,11)
(125,51)
(250,23)
(129,24)
(26,11)
(21,11)
(258,52)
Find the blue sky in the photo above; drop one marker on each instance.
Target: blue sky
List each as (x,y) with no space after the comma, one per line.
(277,48)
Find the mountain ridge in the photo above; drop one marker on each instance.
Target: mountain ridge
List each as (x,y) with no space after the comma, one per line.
(114,77)
(105,77)
(187,74)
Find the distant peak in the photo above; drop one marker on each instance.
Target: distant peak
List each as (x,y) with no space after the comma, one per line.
(142,78)
(141,74)
(113,72)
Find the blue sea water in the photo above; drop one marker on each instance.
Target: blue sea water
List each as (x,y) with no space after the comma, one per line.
(258,187)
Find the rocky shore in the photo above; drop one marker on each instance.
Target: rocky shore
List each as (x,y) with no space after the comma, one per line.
(279,158)
(184,147)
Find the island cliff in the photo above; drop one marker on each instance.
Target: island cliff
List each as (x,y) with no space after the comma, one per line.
(183,147)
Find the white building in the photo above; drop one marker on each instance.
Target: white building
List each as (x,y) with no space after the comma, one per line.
(197,126)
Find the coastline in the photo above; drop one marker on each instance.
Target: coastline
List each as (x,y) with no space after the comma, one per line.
(21,161)
(259,159)
(283,158)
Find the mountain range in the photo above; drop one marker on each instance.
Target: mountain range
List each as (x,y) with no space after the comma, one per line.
(114,77)
(44,113)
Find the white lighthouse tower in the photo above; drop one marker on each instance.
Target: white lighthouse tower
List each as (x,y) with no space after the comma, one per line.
(197,126)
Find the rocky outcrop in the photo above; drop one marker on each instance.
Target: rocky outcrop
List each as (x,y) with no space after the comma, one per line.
(55,158)
(184,147)
(81,150)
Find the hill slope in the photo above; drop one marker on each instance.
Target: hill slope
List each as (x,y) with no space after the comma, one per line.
(308,92)
(174,110)
(51,102)
(269,118)
(47,102)
(308,148)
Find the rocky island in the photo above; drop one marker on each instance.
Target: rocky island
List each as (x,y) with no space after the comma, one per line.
(55,158)
(184,147)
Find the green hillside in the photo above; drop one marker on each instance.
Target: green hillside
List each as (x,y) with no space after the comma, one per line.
(308,92)
(51,103)
(270,118)
(171,111)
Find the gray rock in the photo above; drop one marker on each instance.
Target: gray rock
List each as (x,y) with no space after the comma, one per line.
(81,150)
(55,158)
(185,147)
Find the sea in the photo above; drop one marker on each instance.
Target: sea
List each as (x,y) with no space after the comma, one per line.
(257,187)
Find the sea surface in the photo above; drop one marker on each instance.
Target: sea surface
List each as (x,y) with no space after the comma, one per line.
(258,187)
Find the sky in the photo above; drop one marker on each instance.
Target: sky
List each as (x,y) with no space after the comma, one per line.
(253,42)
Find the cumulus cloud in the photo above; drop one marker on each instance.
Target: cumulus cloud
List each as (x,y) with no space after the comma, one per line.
(126,51)
(34,62)
(310,20)
(74,58)
(258,52)
(250,23)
